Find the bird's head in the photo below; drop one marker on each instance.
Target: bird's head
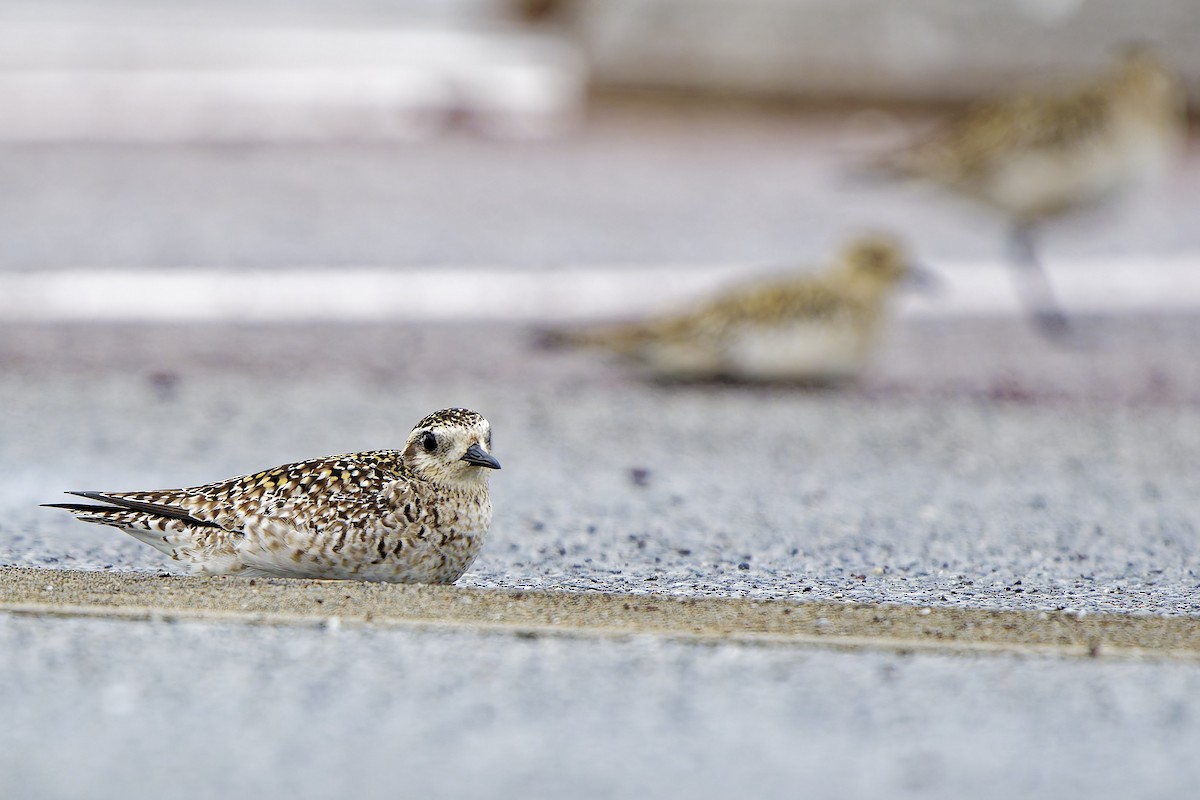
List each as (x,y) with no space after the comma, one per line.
(1144,81)
(451,447)
(872,264)
(874,258)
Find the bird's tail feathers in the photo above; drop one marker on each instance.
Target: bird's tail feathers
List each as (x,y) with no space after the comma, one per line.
(618,337)
(118,509)
(895,165)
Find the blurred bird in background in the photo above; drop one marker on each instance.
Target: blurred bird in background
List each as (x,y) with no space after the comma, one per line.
(1035,156)
(812,328)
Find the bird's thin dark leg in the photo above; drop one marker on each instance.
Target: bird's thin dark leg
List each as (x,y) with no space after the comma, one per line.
(1039,296)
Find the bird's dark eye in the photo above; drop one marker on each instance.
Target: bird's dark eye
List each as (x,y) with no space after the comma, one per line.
(429,442)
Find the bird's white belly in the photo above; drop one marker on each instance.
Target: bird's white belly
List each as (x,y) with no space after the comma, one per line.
(1035,183)
(687,360)
(802,351)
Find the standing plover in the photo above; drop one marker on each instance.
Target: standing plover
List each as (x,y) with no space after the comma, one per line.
(1035,156)
(417,515)
(807,328)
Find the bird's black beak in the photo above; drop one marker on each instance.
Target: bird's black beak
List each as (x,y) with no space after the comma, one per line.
(479,457)
(921,278)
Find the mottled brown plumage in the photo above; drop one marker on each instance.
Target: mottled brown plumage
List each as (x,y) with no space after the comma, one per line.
(415,515)
(1036,155)
(803,328)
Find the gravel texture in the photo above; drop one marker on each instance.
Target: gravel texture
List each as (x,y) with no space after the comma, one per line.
(1035,490)
(976,467)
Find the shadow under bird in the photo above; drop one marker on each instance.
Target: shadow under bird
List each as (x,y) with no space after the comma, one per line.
(810,328)
(417,515)
(1037,155)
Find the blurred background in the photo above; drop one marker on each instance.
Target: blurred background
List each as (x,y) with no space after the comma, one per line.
(521,134)
(378,202)
(238,233)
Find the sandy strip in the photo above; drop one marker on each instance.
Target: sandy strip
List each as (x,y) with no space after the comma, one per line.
(531,613)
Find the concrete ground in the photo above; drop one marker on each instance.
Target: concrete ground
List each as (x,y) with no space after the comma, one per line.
(946,477)
(1041,480)
(104,708)
(975,467)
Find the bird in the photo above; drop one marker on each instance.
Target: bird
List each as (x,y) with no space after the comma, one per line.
(798,328)
(1037,155)
(416,515)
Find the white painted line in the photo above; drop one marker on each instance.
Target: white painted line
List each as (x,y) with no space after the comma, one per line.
(336,294)
(1113,285)
(453,293)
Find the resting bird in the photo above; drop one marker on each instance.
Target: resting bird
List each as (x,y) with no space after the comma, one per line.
(417,515)
(1036,156)
(806,328)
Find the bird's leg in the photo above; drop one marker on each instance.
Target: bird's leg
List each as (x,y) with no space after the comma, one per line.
(1039,296)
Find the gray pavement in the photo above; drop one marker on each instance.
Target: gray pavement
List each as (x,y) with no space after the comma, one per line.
(1028,481)
(97,708)
(975,467)
(639,184)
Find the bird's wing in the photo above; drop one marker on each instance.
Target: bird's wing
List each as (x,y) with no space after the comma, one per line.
(309,494)
(776,302)
(767,302)
(972,143)
(357,524)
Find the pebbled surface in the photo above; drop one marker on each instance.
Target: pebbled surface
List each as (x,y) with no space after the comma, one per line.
(1025,478)
(976,467)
